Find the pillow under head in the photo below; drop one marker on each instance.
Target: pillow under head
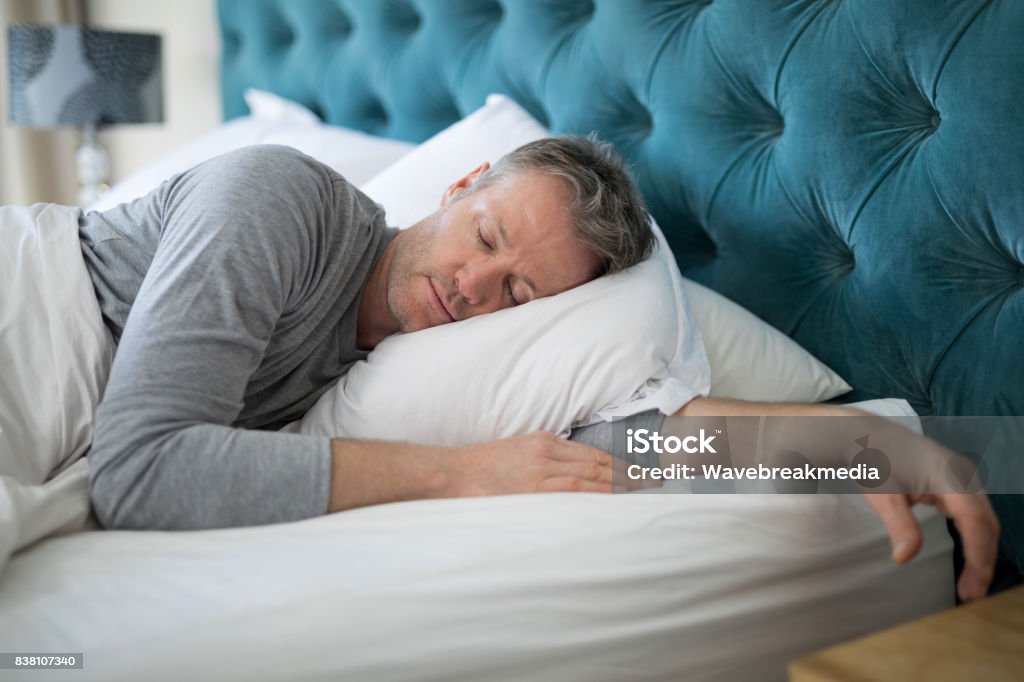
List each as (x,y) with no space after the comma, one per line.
(615,346)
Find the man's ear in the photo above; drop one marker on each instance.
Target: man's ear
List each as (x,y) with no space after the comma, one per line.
(463,183)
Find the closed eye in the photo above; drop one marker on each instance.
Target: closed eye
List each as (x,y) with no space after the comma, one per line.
(490,247)
(482,240)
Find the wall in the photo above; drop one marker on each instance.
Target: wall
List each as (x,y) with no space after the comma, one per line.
(191,50)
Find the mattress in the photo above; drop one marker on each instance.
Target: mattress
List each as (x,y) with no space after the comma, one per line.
(645,586)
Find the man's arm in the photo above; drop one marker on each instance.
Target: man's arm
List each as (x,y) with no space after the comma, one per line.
(236,249)
(374,472)
(972,513)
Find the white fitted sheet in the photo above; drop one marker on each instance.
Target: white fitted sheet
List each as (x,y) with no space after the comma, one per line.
(528,587)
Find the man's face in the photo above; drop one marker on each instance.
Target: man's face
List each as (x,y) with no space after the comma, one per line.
(501,246)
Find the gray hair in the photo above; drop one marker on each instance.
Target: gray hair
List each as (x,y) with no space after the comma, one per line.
(609,213)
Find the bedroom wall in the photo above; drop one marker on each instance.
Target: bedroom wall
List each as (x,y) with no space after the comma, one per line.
(191,75)
(191,99)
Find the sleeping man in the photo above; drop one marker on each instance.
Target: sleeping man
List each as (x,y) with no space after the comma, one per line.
(239,291)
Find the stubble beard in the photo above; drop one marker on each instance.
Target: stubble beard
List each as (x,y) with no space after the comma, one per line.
(411,256)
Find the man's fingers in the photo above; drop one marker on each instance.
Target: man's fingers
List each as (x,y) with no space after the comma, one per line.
(585,462)
(569,451)
(974,519)
(901,524)
(570,484)
(587,471)
(979,530)
(586,455)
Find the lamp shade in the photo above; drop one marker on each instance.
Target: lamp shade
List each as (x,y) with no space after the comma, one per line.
(75,76)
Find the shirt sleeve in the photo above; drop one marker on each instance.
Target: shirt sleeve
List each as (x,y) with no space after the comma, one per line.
(611,436)
(234,247)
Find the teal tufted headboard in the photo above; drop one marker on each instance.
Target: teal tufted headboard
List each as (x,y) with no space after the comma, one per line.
(851,171)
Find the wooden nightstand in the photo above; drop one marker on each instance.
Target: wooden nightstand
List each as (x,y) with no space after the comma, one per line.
(982,641)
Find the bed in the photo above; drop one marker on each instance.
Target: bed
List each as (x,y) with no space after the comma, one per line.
(817,162)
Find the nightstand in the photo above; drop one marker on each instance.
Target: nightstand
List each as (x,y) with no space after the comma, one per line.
(980,641)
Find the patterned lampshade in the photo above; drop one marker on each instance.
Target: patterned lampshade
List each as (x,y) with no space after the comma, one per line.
(75,76)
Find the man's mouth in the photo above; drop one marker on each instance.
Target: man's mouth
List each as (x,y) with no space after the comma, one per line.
(439,303)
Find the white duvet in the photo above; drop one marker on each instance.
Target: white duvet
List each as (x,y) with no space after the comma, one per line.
(55,354)
(531,587)
(553,587)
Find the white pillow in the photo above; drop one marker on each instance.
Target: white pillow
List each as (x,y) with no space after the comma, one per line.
(587,354)
(751,360)
(412,189)
(274,120)
(266,106)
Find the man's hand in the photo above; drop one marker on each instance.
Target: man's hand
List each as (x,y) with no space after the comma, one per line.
(536,462)
(971,512)
(974,519)
(375,472)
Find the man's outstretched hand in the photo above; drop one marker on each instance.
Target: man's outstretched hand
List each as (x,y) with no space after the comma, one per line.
(375,472)
(970,512)
(974,519)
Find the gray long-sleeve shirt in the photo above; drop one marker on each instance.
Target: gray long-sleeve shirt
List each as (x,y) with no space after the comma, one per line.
(233,293)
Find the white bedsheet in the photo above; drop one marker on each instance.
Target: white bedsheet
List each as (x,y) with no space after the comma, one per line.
(531,587)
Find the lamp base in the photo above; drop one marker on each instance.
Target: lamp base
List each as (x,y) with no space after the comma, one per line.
(93,165)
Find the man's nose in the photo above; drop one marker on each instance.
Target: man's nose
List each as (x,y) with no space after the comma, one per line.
(480,285)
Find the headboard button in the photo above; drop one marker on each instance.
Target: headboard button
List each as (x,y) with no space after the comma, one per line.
(338,24)
(492,11)
(572,13)
(232,41)
(848,262)
(283,35)
(403,17)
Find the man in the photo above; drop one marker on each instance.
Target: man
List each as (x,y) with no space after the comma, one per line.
(239,291)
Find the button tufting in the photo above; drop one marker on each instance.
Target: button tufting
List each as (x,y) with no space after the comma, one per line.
(840,262)
(492,11)
(338,24)
(936,120)
(375,114)
(404,17)
(708,247)
(643,122)
(232,40)
(849,261)
(640,122)
(764,117)
(769,126)
(282,35)
(577,12)
(542,115)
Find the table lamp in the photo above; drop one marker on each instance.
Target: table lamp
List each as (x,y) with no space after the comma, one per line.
(84,78)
